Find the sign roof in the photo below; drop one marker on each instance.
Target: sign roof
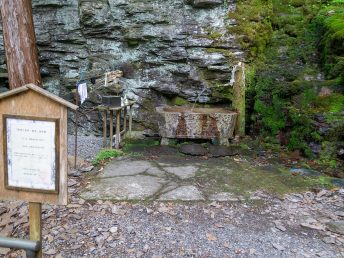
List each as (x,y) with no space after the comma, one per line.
(40,91)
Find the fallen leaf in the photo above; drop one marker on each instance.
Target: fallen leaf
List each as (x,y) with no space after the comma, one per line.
(50,252)
(211,237)
(4,251)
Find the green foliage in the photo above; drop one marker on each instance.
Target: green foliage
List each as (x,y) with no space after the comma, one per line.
(105,155)
(254,27)
(322,181)
(272,116)
(333,103)
(330,22)
(283,38)
(289,57)
(327,155)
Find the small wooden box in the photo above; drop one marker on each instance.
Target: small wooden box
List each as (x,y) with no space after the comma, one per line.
(112,101)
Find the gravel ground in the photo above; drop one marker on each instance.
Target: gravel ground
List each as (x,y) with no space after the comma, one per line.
(88,146)
(269,227)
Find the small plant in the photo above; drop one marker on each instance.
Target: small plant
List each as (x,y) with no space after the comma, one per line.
(106,154)
(323,182)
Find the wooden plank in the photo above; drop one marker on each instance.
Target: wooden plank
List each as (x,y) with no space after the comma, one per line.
(103,107)
(3,75)
(125,119)
(118,128)
(104,128)
(35,222)
(52,96)
(13,92)
(130,119)
(40,91)
(111,128)
(44,108)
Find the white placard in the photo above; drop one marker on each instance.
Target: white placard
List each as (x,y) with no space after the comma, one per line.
(31,154)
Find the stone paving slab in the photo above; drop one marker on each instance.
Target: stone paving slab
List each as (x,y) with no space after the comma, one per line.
(123,188)
(154,171)
(183,193)
(125,168)
(183,172)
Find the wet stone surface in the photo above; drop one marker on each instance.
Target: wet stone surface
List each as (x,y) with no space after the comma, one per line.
(183,193)
(222,151)
(193,149)
(123,188)
(125,168)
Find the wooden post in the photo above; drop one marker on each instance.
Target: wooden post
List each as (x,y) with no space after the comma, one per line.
(125,119)
(239,99)
(118,127)
(76,129)
(130,119)
(35,221)
(104,128)
(20,43)
(111,128)
(76,139)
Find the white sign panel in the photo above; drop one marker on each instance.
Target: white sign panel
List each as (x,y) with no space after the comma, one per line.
(31,154)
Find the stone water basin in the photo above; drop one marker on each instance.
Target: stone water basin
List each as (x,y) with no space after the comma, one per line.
(196,123)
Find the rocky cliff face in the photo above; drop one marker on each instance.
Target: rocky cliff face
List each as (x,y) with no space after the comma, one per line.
(169,50)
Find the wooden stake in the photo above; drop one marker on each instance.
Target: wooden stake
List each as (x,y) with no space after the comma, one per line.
(76,139)
(239,88)
(104,128)
(111,128)
(20,43)
(125,119)
(118,127)
(130,119)
(76,129)
(35,221)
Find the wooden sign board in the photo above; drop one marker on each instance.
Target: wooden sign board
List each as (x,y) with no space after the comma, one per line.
(33,162)
(31,153)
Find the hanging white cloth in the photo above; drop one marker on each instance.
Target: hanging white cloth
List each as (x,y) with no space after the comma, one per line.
(82,90)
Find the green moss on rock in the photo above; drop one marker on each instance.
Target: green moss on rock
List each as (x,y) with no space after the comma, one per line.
(253,25)
(178,101)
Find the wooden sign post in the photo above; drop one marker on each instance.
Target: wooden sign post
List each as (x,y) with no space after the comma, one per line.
(33,161)
(35,223)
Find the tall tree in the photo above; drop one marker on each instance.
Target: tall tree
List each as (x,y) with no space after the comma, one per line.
(20,43)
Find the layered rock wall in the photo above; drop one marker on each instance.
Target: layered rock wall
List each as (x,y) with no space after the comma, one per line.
(168,49)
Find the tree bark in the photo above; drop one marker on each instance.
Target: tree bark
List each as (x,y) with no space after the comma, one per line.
(20,43)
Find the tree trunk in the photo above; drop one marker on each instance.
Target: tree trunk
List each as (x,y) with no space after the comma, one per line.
(20,43)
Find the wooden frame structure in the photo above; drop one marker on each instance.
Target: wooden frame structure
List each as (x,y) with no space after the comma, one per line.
(118,111)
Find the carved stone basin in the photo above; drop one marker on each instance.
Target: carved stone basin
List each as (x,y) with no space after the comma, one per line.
(196,123)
